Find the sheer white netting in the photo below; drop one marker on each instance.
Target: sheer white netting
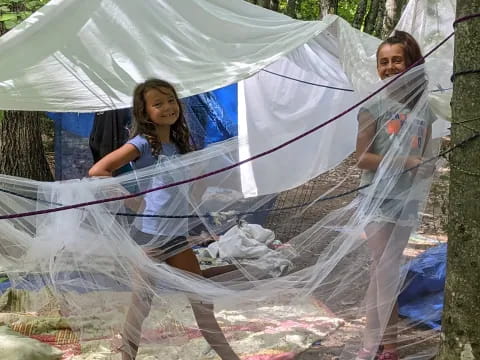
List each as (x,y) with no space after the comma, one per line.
(278,281)
(88,260)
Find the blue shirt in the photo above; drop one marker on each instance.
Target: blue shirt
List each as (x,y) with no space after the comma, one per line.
(169,201)
(146,157)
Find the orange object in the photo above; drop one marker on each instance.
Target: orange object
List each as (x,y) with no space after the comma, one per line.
(393,126)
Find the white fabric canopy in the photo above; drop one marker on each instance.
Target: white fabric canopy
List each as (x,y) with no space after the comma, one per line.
(87,55)
(314,88)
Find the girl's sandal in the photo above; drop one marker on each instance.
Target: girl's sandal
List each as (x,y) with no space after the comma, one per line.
(388,355)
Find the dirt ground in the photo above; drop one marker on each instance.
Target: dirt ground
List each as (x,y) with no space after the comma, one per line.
(433,226)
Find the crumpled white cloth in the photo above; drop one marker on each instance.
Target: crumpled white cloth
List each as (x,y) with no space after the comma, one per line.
(251,241)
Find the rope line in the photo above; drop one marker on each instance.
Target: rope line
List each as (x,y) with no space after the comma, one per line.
(464,72)
(465,18)
(307,82)
(321,199)
(235,165)
(466,172)
(440,89)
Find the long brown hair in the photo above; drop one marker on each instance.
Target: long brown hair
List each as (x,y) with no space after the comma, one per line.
(413,55)
(142,125)
(410,46)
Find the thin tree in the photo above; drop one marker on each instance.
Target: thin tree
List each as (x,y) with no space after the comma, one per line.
(377,30)
(327,7)
(371,17)
(360,14)
(460,324)
(275,5)
(393,10)
(292,8)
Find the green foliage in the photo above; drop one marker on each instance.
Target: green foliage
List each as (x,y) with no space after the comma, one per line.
(309,9)
(347,8)
(304,9)
(13,12)
(47,128)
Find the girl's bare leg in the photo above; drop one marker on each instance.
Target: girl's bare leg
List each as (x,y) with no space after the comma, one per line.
(141,302)
(204,314)
(386,243)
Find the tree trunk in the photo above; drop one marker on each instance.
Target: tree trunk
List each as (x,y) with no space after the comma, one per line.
(393,11)
(21,146)
(327,7)
(275,5)
(380,19)
(360,14)
(266,4)
(371,18)
(460,324)
(292,8)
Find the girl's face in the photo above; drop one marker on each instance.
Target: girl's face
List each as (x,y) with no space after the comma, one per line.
(162,106)
(390,60)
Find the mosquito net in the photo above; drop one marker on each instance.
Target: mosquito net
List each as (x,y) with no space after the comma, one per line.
(95,258)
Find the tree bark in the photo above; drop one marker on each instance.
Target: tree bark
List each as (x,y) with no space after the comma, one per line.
(360,14)
(393,11)
(380,19)
(371,17)
(21,146)
(266,4)
(460,324)
(292,8)
(327,7)
(275,5)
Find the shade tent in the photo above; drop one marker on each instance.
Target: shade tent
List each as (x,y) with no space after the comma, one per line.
(80,239)
(86,56)
(92,54)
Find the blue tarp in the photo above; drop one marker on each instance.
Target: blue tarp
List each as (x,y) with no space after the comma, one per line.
(422,299)
(211,117)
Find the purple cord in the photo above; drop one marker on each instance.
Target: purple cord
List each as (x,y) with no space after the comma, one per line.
(465,18)
(218,171)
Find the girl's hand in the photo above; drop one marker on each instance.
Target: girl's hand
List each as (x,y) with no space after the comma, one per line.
(423,171)
(412,162)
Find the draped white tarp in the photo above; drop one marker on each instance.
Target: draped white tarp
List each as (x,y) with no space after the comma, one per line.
(311,84)
(87,55)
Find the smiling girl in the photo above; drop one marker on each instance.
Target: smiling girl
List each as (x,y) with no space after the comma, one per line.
(159,129)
